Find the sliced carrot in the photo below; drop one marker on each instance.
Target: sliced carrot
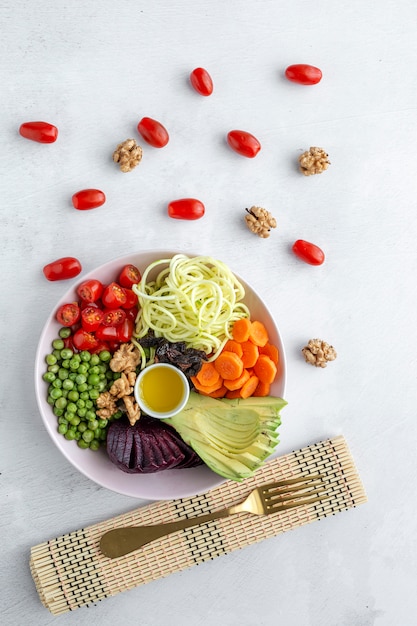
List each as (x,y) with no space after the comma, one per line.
(258,334)
(233,346)
(208,375)
(250,354)
(237,383)
(219,393)
(233,394)
(229,365)
(249,387)
(262,390)
(241,329)
(265,369)
(270,350)
(206,389)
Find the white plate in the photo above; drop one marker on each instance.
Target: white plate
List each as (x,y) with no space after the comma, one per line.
(164,485)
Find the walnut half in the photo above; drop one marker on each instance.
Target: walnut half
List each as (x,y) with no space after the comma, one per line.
(260,221)
(313,161)
(318,353)
(127,154)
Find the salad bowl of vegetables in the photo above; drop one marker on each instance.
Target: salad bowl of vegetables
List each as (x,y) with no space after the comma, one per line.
(161,306)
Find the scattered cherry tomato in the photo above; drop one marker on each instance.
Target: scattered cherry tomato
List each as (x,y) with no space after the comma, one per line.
(153,132)
(113,317)
(62,269)
(125,330)
(113,296)
(131,299)
(308,252)
(42,132)
(303,74)
(68,314)
(186,209)
(201,81)
(129,276)
(243,143)
(91,318)
(88,199)
(90,290)
(83,340)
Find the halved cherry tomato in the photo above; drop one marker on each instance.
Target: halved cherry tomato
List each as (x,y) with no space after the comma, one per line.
(107,333)
(129,276)
(113,317)
(243,143)
(125,330)
(68,343)
(186,209)
(90,290)
(153,132)
(201,81)
(83,340)
(91,318)
(308,252)
(88,199)
(62,269)
(132,313)
(102,345)
(68,314)
(303,74)
(131,299)
(42,132)
(113,296)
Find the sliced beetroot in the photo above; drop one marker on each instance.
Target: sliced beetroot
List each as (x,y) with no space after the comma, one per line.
(147,447)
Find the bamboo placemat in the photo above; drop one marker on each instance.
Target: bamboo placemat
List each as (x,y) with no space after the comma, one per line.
(70,571)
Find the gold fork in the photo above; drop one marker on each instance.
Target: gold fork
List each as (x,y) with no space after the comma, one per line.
(263,500)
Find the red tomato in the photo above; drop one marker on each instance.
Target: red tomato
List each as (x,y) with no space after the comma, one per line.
(308,252)
(68,343)
(113,317)
(91,318)
(68,314)
(153,132)
(125,330)
(90,290)
(84,340)
(113,296)
(42,132)
(201,81)
(303,74)
(88,199)
(243,143)
(62,269)
(102,345)
(107,333)
(132,313)
(131,299)
(129,276)
(186,209)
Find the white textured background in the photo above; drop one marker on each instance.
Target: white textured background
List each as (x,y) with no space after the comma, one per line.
(94,69)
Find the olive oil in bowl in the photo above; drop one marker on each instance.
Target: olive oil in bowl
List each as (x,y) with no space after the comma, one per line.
(161,390)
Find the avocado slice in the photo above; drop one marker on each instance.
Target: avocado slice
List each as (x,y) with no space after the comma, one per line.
(233,437)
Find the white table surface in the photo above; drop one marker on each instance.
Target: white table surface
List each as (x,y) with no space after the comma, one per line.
(94,69)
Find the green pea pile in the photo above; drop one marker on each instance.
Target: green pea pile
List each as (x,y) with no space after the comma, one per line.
(76,380)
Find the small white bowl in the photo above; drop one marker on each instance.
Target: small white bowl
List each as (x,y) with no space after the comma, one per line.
(165,402)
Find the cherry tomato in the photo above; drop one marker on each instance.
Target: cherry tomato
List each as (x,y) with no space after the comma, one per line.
(131,299)
(303,74)
(308,252)
(125,330)
(113,296)
(62,269)
(113,317)
(201,81)
(68,343)
(103,345)
(42,132)
(83,340)
(88,199)
(243,143)
(91,318)
(129,276)
(68,314)
(153,132)
(132,313)
(186,209)
(90,290)
(107,333)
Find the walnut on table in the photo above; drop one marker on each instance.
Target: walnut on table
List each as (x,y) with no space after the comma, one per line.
(318,352)
(314,161)
(260,221)
(127,154)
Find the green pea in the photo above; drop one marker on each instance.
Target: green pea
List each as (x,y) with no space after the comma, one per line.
(70,434)
(74,364)
(71,407)
(72,376)
(103,435)
(49,377)
(84,395)
(85,355)
(83,444)
(90,416)
(66,353)
(62,429)
(94,445)
(83,368)
(58,344)
(57,383)
(109,375)
(102,423)
(104,356)
(74,421)
(102,386)
(93,379)
(63,373)
(92,423)
(73,395)
(51,359)
(89,403)
(94,369)
(65,392)
(88,436)
(68,384)
(82,411)
(62,420)
(57,412)
(53,368)
(61,403)
(55,392)
(95,359)
(64,332)
(80,403)
(80,378)
(65,364)
(82,427)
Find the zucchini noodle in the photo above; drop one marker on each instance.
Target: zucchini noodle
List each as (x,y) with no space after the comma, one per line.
(195,300)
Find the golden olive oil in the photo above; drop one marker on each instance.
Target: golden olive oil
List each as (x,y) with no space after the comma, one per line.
(162,389)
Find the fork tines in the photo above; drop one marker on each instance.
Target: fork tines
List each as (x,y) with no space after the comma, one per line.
(294,492)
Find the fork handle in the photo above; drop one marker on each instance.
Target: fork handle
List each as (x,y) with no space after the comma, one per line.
(120,541)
